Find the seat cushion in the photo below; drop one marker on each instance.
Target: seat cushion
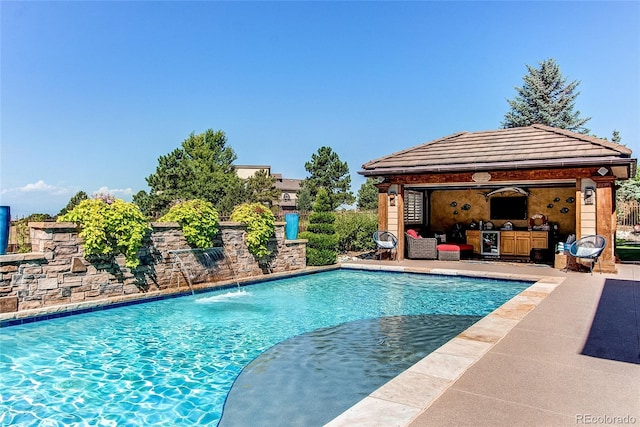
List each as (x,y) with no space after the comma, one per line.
(465,247)
(449,248)
(582,252)
(386,245)
(413,233)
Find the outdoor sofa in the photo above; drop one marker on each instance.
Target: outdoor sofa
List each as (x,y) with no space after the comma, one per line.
(421,247)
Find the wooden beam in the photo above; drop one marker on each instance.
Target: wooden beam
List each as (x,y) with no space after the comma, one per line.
(496,176)
(383,210)
(605,220)
(400,207)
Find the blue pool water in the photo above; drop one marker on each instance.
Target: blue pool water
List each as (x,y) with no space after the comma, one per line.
(174,361)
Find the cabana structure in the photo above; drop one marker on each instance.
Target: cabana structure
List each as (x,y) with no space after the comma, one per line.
(509,193)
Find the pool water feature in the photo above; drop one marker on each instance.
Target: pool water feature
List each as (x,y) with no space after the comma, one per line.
(174,361)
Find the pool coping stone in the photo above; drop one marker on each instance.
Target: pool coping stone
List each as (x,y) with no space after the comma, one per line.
(405,397)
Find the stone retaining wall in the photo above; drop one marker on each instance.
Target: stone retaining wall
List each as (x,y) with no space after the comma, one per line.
(56,272)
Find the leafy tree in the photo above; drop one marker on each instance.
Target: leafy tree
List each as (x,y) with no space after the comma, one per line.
(304,201)
(368,195)
(545,98)
(262,188)
(327,171)
(201,169)
(74,201)
(321,232)
(629,190)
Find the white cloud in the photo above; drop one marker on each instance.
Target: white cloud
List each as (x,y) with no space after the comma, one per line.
(114,191)
(39,186)
(37,197)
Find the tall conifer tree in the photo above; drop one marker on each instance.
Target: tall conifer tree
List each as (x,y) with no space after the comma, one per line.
(329,172)
(546,98)
(202,168)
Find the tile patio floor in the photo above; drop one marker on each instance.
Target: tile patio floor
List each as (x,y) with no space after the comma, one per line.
(520,366)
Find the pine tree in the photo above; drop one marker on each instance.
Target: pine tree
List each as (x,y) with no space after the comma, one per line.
(321,232)
(545,98)
(304,200)
(368,195)
(74,201)
(262,188)
(328,172)
(615,137)
(202,168)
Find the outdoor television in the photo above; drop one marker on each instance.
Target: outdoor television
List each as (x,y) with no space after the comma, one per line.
(508,208)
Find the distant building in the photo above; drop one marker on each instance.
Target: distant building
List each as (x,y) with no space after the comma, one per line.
(288,187)
(289,195)
(246,171)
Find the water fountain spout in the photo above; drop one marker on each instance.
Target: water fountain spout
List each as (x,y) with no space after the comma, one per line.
(209,258)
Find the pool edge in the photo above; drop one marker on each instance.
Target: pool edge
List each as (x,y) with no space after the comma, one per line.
(406,396)
(63,310)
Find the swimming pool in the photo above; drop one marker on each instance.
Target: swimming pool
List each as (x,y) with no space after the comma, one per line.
(174,361)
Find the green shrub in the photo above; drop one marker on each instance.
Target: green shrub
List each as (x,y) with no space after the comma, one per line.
(260,223)
(355,231)
(199,221)
(321,256)
(323,240)
(321,228)
(109,227)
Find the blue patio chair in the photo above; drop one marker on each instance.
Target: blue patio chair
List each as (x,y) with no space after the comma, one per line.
(590,248)
(385,242)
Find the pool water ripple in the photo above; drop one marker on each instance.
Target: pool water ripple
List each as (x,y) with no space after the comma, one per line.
(174,361)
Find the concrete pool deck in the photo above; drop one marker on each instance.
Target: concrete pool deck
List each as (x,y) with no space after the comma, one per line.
(523,365)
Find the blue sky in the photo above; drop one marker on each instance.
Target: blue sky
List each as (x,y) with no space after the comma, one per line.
(92,93)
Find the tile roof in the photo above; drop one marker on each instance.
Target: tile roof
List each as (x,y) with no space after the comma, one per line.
(513,148)
(291,185)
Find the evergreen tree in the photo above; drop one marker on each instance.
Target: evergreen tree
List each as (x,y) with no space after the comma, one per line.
(262,188)
(328,172)
(304,201)
(368,195)
(545,98)
(74,201)
(201,169)
(629,189)
(143,200)
(615,137)
(321,232)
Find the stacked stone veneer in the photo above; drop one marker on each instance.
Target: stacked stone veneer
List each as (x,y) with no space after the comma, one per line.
(56,272)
